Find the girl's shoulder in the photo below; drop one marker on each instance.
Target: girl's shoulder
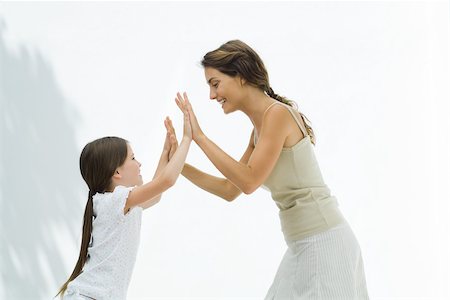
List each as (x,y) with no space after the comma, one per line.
(111,203)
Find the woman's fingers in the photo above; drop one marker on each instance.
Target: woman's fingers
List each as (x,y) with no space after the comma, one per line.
(188,105)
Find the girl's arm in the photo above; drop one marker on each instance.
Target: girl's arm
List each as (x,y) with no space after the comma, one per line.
(169,148)
(221,187)
(169,173)
(248,176)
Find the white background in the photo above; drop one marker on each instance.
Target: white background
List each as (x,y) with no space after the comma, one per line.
(373,77)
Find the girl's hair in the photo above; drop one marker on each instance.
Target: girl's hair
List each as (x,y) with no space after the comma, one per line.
(235,58)
(98,162)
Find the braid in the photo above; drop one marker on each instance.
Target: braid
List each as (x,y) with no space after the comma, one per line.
(291,103)
(277,97)
(309,129)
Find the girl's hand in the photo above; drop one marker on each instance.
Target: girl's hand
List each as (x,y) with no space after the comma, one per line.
(171,143)
(187,128)
(184,104)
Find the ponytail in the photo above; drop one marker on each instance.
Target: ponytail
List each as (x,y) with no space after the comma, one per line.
(85,240)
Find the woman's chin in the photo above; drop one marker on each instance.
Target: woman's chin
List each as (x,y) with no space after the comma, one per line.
(227,111)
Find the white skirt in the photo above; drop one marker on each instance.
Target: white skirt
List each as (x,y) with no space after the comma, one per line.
(327,265)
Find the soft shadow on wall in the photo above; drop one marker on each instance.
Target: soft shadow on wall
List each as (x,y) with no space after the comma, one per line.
(41,200)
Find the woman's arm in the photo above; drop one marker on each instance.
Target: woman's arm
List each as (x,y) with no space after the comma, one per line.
(248,176)
(221,187)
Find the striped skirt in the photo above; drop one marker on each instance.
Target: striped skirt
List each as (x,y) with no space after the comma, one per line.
(325,266)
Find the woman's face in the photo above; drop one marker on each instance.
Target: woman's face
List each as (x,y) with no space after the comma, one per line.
(226,90)
(130,171)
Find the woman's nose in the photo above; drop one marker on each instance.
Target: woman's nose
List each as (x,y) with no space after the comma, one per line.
(212,95)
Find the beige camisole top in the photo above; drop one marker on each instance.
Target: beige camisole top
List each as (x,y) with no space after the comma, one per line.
(296,184)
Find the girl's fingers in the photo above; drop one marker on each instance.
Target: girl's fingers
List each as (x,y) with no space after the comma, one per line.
(173,140)
(166,125)
(170,125)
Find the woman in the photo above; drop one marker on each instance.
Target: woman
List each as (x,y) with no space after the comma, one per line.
(323,259)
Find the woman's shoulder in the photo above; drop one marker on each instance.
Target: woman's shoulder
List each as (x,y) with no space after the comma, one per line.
(277,115)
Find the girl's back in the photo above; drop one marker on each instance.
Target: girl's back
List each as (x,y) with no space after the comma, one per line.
(112,249)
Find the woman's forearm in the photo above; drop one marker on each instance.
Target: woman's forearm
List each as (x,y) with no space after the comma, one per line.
(221,187)
(238,173)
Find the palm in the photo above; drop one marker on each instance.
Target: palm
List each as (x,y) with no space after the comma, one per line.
(171,143)
(185,106)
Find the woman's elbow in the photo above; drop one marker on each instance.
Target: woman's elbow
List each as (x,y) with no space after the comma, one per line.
(230,198)
(249,188)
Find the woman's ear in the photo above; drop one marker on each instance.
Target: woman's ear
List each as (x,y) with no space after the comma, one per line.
(117,175)
(242,81)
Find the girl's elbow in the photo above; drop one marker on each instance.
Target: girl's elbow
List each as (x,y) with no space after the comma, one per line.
(168,181)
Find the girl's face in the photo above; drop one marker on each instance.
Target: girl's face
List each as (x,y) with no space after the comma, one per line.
(226,90)
(129,174)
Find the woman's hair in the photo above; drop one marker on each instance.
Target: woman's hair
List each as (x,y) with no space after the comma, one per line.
(98,162)
(235,58)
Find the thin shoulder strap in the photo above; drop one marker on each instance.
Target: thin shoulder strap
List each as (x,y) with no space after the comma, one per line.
(289,108)
(269,107)
(300,124)
(254,129)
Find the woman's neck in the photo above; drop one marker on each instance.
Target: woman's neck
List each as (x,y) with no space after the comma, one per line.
(255,105)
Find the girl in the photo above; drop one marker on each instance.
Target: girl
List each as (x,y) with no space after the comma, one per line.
(323,259)
(112,217)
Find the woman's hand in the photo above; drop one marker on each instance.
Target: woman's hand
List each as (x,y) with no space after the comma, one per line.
(187,127)
(184,104)
(171,143)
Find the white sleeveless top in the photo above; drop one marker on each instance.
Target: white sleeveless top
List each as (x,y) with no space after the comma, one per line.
(112,250)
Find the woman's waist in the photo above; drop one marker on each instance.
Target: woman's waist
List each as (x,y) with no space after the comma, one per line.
(290,197)
(305,218)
